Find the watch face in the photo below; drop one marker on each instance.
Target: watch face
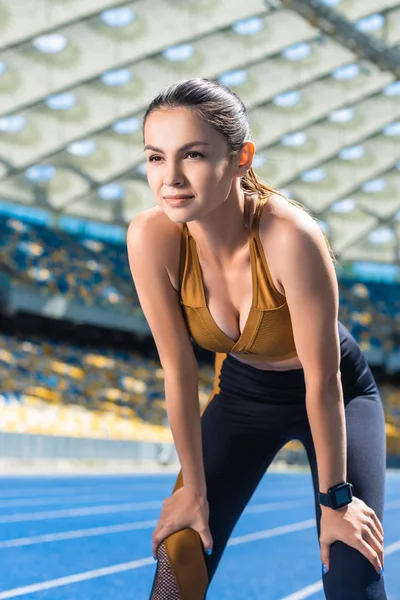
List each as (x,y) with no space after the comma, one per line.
(342,496)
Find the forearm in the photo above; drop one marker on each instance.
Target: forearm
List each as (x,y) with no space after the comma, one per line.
(325,410)
(183,409)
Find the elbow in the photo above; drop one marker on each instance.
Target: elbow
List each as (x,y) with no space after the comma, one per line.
(183,370)
(329,385)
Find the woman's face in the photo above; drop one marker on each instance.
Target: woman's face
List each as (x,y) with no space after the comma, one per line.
(188,168)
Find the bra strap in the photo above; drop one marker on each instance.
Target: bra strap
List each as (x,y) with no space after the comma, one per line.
(256,218)
(182,256)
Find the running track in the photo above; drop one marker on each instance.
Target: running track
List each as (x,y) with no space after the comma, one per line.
(89,538)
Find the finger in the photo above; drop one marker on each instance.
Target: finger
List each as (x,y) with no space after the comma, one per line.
(369,553)
(374,538)
(325,555)
(376,531)
(207,540)
(372,514)
(378,524)
(369,537)
(158,536)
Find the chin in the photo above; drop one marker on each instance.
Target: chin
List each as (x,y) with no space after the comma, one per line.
(173,215)
(180,214)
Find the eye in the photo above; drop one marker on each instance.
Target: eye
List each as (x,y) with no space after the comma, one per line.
(154,158)
(194,154)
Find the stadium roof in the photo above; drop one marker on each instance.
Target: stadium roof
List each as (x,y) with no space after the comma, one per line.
(76,77)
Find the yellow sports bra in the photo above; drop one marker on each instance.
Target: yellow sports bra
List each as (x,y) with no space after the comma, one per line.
(267,334)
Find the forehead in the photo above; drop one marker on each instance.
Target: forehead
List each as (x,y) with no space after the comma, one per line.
(174,127)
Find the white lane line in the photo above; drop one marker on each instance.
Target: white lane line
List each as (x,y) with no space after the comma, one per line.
(267,533)
(78,533)
(22,492)
(392,548)
(17,493)
(270,506)
(300,493)
(79,512)
(58,489)
(312,589)
(116,508)
(136,564)
(78,499)
(106,497)
(85,576)
(94,531)
(7,499)
(256,508)
(392,504)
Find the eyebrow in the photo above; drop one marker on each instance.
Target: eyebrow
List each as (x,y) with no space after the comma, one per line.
(181,149)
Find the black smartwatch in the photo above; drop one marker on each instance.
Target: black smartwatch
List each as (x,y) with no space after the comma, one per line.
(337,496)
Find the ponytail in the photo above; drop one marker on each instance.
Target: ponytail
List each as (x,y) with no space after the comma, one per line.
(253,184)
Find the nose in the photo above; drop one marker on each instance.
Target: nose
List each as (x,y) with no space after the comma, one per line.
(173,175)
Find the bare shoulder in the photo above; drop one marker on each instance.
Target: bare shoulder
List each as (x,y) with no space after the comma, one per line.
(282,221)
(279,214)
(286,229)
(153,232)
(153,223)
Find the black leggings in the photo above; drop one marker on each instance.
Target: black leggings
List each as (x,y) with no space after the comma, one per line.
(250,415)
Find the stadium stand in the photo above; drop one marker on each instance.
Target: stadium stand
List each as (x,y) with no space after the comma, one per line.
(325,116)
(99,275)
(64,389)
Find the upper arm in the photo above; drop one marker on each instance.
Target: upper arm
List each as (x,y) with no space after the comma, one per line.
(148,247)
(308,276)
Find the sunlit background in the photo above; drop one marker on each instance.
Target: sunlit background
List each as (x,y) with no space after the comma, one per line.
(321,83)
(82,389)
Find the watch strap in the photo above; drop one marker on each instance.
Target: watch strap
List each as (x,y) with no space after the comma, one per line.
(329,499)
(324,499)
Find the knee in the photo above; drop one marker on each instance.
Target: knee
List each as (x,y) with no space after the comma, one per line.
(184,547)
(185,556)
(351,576)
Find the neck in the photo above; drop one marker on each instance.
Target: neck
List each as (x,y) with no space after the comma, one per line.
(224,233)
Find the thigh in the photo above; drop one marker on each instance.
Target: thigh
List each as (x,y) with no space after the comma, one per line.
(235,459)
(351,575)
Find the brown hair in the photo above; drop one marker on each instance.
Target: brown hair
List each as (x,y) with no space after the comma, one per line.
(225,111)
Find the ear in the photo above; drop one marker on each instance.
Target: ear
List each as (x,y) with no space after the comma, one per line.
(246,156)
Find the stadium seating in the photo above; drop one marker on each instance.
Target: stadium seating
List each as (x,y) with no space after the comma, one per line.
(38,255)
(62,389)
(98,274)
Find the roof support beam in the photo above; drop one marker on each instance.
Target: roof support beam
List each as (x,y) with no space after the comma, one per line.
(335,25)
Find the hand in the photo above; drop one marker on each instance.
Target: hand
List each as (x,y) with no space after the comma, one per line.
(185,508)
(358,526)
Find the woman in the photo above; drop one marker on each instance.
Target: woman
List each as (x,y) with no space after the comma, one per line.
(249,275)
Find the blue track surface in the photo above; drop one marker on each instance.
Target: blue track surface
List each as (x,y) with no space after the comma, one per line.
(89,538)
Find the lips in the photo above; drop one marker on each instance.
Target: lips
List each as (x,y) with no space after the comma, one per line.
(178,197)
(177,200)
